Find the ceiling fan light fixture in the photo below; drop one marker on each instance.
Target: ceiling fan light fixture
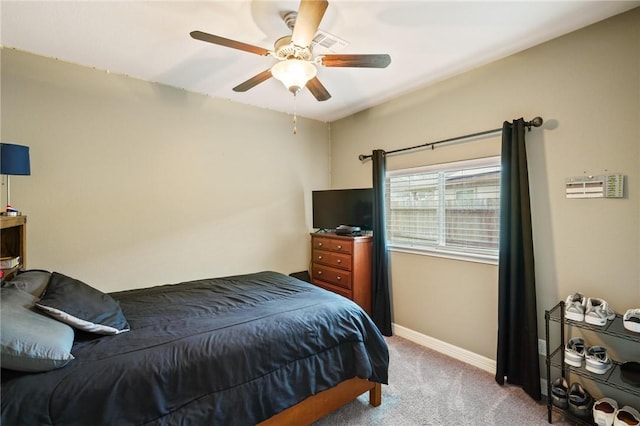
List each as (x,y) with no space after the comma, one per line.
(294,73)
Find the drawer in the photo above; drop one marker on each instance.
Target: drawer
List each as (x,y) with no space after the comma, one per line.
(329,258)
(342,246)
(333,276)
(335,289)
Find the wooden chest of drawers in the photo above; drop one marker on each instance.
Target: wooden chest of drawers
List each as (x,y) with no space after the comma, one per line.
(342,264)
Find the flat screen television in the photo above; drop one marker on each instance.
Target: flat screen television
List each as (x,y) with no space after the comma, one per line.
(335,207)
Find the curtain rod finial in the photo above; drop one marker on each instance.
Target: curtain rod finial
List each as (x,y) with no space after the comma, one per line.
(537,121)
(362,157)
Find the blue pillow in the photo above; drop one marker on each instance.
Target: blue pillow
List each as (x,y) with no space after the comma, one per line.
(82,306)
(33,281)
(30,341)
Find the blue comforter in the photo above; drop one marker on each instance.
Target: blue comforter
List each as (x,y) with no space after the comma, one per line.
(233,350)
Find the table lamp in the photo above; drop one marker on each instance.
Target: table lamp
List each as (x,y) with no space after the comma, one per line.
(14,160)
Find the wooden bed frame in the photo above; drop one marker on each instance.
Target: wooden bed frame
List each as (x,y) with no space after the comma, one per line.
(317,406)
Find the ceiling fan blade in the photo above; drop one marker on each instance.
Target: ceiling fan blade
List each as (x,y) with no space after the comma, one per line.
(318,90)
(362,61)
(210,38)
(253,81)
(310,14)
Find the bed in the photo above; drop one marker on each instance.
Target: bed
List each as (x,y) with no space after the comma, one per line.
(261,348)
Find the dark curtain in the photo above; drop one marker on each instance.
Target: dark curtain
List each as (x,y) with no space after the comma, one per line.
(380,301)
(517,353)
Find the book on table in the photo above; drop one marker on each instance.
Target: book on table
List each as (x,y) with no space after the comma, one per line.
(9,262)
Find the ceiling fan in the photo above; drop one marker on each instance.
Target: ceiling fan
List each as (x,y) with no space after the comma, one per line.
(296,66)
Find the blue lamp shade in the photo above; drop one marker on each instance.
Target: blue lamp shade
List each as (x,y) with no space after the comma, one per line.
(14,159)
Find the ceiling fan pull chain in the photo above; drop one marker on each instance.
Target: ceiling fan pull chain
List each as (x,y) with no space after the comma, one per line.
(295,129)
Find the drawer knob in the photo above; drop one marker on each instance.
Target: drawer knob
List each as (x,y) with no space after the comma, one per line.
(338,277)
(319,257)
(319,272)
(319,244)
(339,261)
(339,247)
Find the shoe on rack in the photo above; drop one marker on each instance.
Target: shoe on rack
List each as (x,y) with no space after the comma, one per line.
(560,393)
(575,307)
(630,373)
(580,401)
(574,352)
(631,320)
(604,411)
(598,312)
(627,416)
(597,360)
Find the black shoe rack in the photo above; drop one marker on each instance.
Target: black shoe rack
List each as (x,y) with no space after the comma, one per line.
(555,357)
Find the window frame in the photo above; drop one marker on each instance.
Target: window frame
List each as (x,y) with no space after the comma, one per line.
(443,251)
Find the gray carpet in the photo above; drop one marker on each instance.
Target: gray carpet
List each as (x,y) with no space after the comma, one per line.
(429,388)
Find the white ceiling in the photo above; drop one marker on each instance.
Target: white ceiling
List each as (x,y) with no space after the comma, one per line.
(428,41)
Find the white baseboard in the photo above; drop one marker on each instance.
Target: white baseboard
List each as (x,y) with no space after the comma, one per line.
(448,349)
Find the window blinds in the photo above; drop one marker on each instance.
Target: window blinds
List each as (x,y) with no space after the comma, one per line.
(449,208)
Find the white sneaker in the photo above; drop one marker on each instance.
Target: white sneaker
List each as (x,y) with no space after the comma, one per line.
(597,360)
(575,307)
(604,411)
(598,312)
(626,416)
(574,352)
(631,320)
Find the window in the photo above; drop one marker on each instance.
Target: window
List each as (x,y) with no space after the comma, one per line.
(452,209)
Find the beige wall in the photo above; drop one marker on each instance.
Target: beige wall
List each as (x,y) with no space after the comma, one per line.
(136,184)
(586,86)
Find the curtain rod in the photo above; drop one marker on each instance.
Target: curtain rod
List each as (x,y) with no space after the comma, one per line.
(536,122)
